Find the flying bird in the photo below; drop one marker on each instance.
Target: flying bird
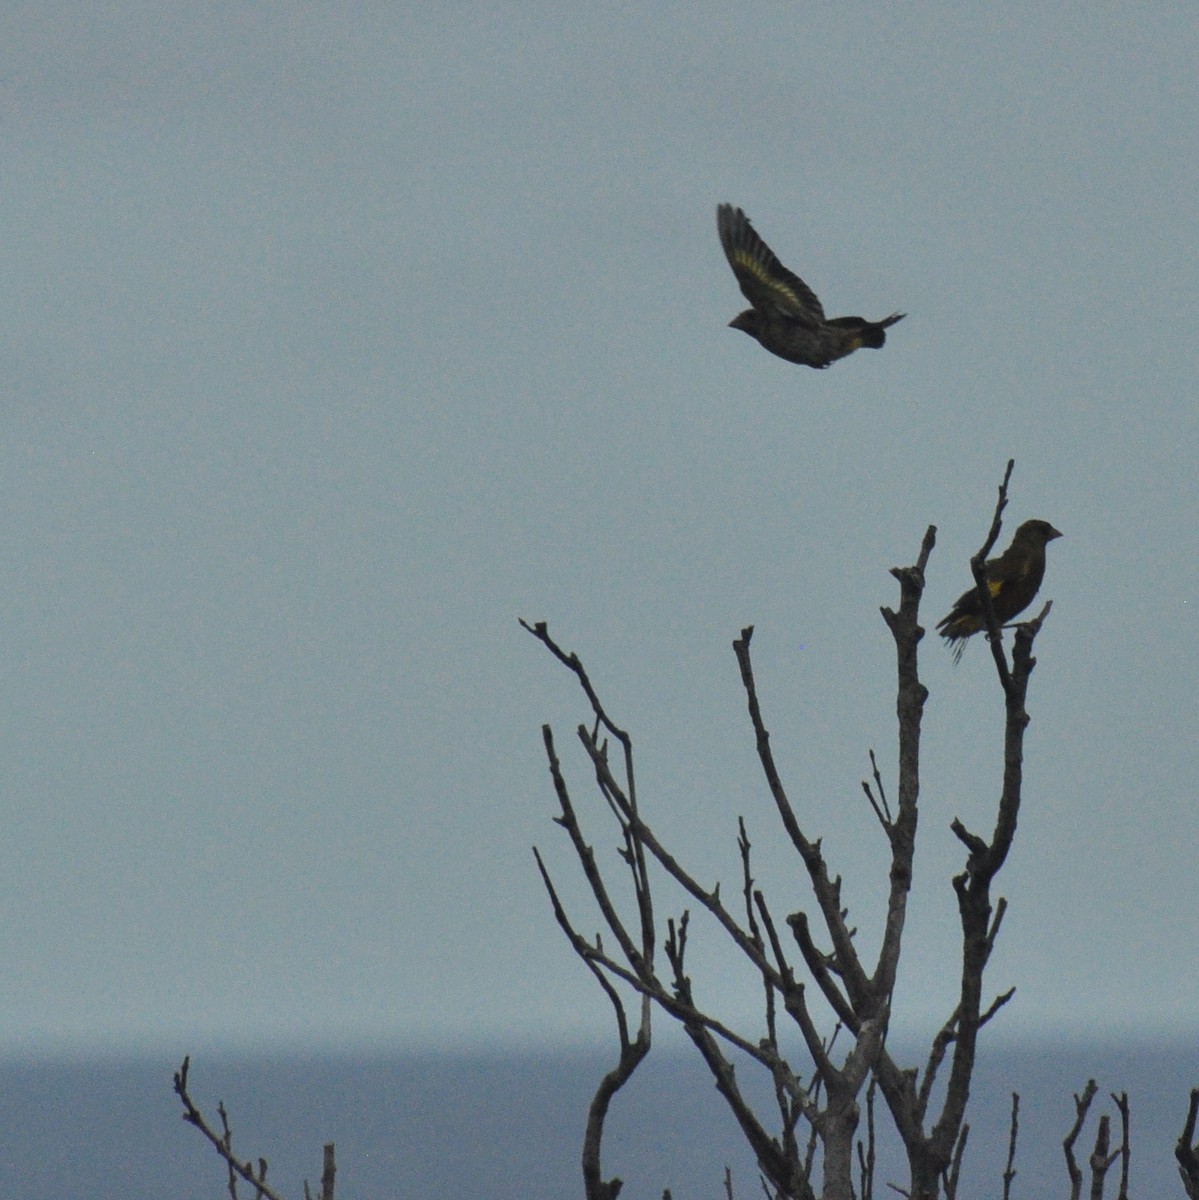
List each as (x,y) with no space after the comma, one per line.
(786,317)
(1012,579)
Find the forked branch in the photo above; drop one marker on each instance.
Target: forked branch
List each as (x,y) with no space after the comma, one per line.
(858,995)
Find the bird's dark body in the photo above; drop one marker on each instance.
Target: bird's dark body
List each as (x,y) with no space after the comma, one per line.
(1014,578)
(787,318)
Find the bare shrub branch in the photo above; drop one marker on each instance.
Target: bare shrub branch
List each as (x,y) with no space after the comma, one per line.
(858,994)
(1009,1171)
(1081,1105)
(223,1144)
(855,992)
(1187,1150)
(1120,1099)
(931,1154)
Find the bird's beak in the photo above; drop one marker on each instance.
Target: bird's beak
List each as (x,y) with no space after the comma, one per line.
(1054,533)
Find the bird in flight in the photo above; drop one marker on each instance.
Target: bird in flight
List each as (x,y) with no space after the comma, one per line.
(1012,579)
(786,317)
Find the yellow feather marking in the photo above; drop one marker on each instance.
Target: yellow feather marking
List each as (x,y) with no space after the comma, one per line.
(756,269)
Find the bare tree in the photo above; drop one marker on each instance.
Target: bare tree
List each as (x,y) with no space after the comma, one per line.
(806,1140)
(816,1106)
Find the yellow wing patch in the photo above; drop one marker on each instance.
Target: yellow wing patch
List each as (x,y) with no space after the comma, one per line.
(748,263)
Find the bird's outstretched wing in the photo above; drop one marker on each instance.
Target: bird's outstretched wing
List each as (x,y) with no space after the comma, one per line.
(764,281)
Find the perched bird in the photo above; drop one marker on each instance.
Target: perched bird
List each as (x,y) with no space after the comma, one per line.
(1013,580)
(786,317)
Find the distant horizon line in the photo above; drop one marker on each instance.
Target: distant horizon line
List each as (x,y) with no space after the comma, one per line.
(515,1047)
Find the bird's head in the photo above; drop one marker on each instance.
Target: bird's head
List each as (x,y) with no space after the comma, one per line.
(1037,532)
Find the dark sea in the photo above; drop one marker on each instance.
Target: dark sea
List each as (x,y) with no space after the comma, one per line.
(509,1126)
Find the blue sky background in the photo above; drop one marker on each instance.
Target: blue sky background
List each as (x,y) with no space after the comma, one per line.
(335,339)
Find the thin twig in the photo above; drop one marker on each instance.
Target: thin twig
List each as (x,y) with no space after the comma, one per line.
(223,1143)
(882,810)
(978,566)
(1009,1171)
(944,1038)
(1100,1159)
(1125,1151)
(1081,1105)
(1186,1150)
(955,1168)
(827,894)
(996,1005)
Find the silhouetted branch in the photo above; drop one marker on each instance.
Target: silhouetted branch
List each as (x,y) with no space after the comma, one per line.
(1009,1171)
(978,567)
(932,1154)
(586,855)
(1186,1151)
(223,1144)
(1100,1159)
(639,953)
(858,994)
(955,1167)
(827,892)
(541,632)
(1081,1105)
(983,863)
(592,956)
(936,1056)
(822,967)
(882,809)
(867,1151)
(328,1176)
(1120,1100)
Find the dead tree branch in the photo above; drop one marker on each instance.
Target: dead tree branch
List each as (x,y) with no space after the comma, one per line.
(1187,1150)
(1100,1159)
(1009,1171)
(633,1048)
(978,567)
(1120,1099)
(931,1154)
(1081,1105)
(857,994)
(223,1144)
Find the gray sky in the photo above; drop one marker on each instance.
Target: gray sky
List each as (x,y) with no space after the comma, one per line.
(335,339)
